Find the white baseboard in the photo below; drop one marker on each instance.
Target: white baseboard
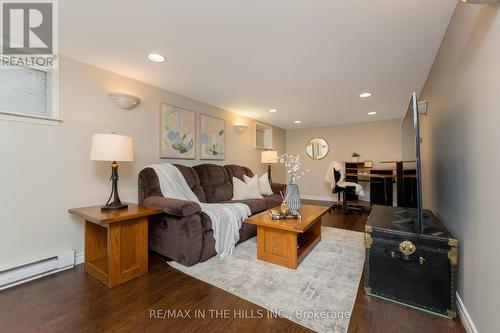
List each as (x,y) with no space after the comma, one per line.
(318,197)
(79,258)
(33,270)
(39,276)
(465,317)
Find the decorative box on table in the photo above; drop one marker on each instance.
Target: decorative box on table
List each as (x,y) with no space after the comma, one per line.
(417,270)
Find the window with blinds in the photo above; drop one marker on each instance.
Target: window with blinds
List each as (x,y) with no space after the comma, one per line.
(23,91)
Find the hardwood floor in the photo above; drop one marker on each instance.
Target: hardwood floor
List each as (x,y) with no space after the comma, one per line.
(73,301)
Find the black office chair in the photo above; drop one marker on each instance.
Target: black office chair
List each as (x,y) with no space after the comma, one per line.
(347,190)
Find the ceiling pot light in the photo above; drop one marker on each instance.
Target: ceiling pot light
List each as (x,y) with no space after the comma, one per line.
(365,94)
(155,57)
(273,110)
(297,121)
(371,113)
(125,101)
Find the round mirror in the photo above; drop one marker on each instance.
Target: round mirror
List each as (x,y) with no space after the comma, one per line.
(317,148)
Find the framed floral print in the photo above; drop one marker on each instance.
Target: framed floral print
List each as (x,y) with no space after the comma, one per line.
(212,138)
(177,132)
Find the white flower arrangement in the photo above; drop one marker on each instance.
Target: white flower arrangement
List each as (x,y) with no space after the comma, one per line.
(292,165)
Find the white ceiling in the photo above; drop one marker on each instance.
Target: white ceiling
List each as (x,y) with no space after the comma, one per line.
(309,59)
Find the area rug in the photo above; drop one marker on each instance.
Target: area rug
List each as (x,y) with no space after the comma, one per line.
(319,295)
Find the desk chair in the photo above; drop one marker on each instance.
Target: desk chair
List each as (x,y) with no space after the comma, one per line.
(345,188)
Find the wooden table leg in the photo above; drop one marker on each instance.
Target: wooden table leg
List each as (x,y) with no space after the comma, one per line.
(128,250)
(118,252)
(277,246)
(96,251)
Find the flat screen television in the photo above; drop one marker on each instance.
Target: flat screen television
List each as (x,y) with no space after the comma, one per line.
(411,155)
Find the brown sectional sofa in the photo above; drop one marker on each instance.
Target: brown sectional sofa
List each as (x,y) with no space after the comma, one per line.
(184,233)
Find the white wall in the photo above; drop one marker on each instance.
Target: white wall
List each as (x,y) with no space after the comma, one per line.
(461,153)
(45,170)
(376,141)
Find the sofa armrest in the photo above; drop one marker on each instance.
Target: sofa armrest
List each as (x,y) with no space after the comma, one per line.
(175,207)
(277,187)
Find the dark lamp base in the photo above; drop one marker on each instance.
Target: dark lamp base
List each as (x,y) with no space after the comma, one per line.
(114,202)
(114,206)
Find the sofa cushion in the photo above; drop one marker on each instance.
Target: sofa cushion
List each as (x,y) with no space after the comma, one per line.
(208,248)
(175,207)
(247,231)
(277,188)
(193,181)
(206,222)
(264,185)
(215,182)
(246,190)
(255,205)
(177,238)
(149,185)
(238,171)
(272,200)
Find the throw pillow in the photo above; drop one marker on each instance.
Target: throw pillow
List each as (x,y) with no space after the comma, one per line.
(264,185)
(244,191)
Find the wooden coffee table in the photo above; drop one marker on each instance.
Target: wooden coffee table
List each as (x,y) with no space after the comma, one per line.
(277,239)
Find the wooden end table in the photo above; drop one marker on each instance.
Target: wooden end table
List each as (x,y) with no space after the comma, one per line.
(277,239)
(116,242)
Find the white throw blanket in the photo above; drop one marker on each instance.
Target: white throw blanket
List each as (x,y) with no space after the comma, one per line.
(330,178)
(226,218)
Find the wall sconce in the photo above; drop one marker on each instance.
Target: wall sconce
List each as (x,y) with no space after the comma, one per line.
(125,101)
(240,128)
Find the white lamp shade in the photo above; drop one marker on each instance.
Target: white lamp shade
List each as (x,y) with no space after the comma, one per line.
(269,156)
(112,147)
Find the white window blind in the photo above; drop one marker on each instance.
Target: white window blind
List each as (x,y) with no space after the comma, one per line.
(23,91)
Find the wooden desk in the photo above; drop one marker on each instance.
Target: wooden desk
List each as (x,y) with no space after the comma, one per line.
(116,242)
(370,175)
(371,169)
(351,168)
(374,179)
(390,162)
(404,198)
(381,182)
(277,239)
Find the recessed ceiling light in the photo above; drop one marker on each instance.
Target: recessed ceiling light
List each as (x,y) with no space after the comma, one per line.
(297,121)
(155,57)
(273,110)
(365,94)
(371,113)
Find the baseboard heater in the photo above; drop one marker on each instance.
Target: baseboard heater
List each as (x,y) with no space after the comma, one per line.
(17,275)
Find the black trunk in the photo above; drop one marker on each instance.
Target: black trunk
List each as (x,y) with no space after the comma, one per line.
(405,267)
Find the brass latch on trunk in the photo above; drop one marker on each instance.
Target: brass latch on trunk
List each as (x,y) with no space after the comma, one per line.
(453,255)
(407,247)
(368,240)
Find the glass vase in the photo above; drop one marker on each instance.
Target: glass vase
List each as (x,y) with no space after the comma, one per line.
(293,196)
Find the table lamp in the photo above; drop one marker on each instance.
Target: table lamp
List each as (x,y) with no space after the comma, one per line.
(112,148)
(269,156)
